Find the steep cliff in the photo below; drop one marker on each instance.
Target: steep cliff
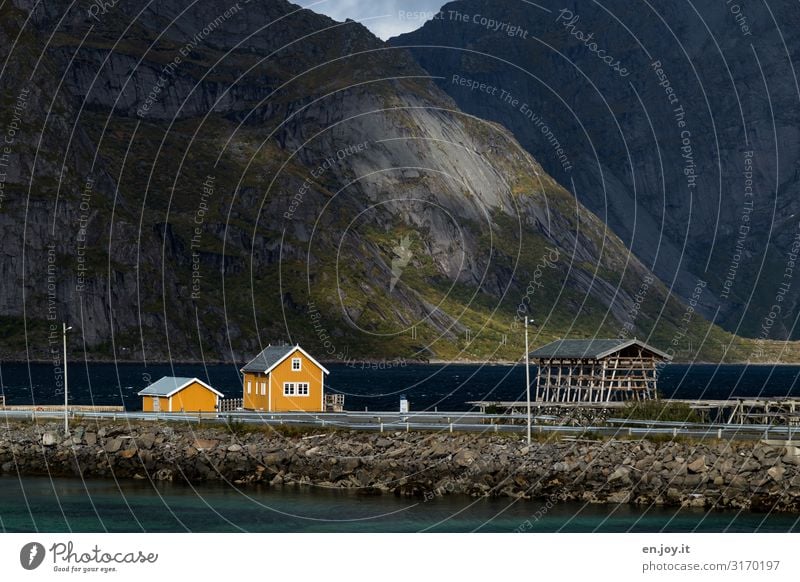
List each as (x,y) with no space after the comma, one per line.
(196,182)
(675,123)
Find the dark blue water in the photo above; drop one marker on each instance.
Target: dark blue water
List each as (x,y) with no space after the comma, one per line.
(445,386)
(61,505)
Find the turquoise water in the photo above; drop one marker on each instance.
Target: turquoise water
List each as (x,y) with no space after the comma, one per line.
(61,505)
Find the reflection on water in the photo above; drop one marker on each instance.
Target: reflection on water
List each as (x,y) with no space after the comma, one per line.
(58,505)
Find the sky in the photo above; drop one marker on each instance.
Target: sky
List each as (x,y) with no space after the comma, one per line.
(385,18)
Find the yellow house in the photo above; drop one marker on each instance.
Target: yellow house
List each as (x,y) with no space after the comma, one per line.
(284,379)
(171,394)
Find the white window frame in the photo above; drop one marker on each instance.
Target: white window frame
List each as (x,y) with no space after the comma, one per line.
(299,362)
(249,384)
(263,388)
(296,389)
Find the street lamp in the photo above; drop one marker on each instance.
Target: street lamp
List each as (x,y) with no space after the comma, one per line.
(528,378)
(66,388)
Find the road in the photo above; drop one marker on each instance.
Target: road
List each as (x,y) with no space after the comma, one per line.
(437,421)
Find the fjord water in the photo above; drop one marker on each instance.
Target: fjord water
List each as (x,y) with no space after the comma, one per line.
(54,505)
(71,505)
(378,386)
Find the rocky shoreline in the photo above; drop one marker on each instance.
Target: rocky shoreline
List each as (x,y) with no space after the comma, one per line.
(740,475)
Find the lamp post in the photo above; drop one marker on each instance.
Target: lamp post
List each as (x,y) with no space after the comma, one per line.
(66,388)
(528,379)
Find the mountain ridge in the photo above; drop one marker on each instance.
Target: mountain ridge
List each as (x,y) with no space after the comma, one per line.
(269,191)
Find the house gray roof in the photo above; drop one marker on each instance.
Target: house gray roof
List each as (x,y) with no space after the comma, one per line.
(267,358)
(168,385)
(588,348)
(272,355)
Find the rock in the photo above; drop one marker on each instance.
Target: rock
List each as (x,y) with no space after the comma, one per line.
(619,497)
(127,453)
(163,475)
(349,465)
(698,465)
(696,500)
(234,448)
(112,445)
(205,444)
(791,451)
(738,482)
(146,441)
(693,480)
(50,439)
(776,472)
(749,466)
(465,457)
(563,467)
(90,438)
(790,460)
(621,474)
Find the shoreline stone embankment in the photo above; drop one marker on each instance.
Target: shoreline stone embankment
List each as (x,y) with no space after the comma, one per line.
(724,474)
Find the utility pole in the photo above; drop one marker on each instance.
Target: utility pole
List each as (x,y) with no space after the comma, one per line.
(528,379)
(66,387)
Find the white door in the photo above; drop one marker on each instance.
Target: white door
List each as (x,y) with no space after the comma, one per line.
(156,404)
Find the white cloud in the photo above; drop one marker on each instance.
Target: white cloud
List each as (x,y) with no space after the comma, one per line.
(385,18)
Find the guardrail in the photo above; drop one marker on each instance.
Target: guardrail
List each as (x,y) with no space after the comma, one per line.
(442,422)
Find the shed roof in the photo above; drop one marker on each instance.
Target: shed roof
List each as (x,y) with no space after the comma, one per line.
(589,348)
(169,385)
(271,356)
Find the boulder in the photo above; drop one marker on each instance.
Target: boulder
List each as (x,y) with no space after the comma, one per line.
(146,440)
(619,497)
(50,439)
(205,444)
(749,466)
(776,472)
(698,465)
(112,445)
(465,457)
(645,462)
(621,474)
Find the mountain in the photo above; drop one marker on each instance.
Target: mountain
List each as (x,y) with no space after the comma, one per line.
(193,183)
(677,124)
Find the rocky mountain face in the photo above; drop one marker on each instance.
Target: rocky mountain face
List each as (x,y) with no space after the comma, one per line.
(675,123)
(196,182)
